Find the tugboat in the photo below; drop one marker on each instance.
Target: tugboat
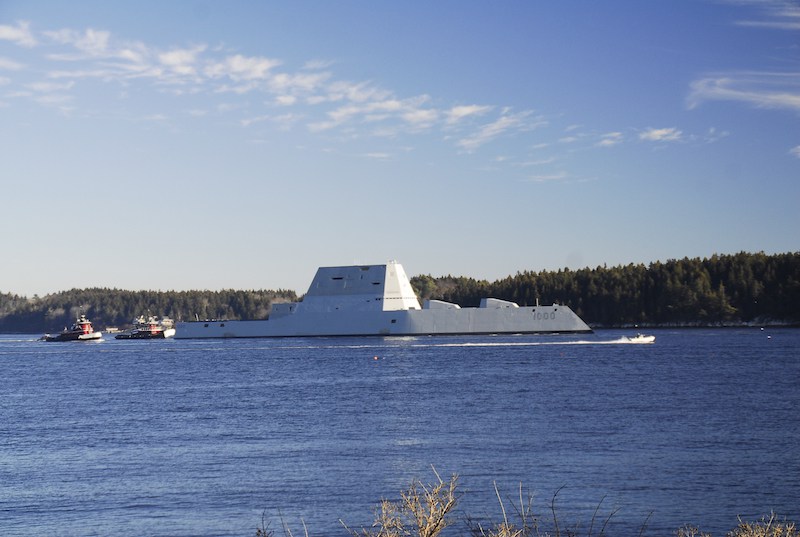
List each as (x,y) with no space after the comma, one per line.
(81,330)
(150,328)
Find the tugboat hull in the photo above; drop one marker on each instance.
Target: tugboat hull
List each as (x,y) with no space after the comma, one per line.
(81,330)
(146,334)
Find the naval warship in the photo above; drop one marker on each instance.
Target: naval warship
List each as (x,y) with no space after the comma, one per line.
(378,300)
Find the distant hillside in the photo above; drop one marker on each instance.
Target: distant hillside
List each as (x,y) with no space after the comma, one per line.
(722,289)
(113,307)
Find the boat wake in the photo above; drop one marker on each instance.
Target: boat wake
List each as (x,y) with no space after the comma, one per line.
(620,341)
(412,342)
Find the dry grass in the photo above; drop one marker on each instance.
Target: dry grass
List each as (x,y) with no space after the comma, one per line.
(766,527)
(425,510)
(525,525)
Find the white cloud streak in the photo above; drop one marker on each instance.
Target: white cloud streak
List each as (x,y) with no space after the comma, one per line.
(759,89)
(329,103)
(309,96)
(670,134)
(241,68)
(89,44)
(490,131)
(774,14)
(610,139)
(20,34)
(10,65)
(457,113)
(182,61)
(545,178)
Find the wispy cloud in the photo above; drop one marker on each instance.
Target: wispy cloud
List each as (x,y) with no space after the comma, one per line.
(378,156)
(19,34)
(285,100)
(508,122)
(253,120)
(457,113)
(670,134)
(241,68)
(90,43)
(421,118)
(311,92)
(378,106)
(610,139)
(545,178)
(298,84)
(9,65)
(283,121)
(715,135)
(318,64)
(777,14)
(182,61)
(795,151)
(53,99)
(256,89)
(538,162)
(760,89)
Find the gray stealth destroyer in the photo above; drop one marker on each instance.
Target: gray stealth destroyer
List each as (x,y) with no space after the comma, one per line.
(378,300)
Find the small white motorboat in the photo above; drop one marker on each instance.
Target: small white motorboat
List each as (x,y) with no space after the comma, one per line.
(642,338)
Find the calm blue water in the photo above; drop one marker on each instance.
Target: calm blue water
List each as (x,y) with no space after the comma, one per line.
(190,438)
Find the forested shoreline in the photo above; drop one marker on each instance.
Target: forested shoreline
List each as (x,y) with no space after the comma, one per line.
(723,290)
(737,289)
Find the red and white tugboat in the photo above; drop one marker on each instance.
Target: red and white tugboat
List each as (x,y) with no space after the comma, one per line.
(81,330)
(150,328)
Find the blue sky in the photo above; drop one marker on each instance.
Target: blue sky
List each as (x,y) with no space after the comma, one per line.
(209,145)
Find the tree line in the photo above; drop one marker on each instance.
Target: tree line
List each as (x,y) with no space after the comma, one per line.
(722,289)
(114,307)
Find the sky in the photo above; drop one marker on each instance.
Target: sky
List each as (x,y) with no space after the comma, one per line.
(240,145)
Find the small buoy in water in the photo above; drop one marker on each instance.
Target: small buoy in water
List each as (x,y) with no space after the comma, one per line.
(375,358)
(769,337)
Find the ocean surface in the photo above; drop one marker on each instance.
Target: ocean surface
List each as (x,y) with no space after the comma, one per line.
(204,438)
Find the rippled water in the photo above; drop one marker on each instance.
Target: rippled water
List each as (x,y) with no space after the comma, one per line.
(202,437)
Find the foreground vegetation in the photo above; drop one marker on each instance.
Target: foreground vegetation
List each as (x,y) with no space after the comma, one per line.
(426,510)
(720,290)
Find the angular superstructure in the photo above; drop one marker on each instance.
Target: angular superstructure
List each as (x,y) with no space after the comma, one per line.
(378,300)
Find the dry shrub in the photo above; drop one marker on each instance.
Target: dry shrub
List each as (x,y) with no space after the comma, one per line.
(691,531)
(766,527)
(422,511)
(525,526)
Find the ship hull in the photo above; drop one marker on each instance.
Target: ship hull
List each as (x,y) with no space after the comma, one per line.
(147,334)
(92,336)
(523,320)
(378,300)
